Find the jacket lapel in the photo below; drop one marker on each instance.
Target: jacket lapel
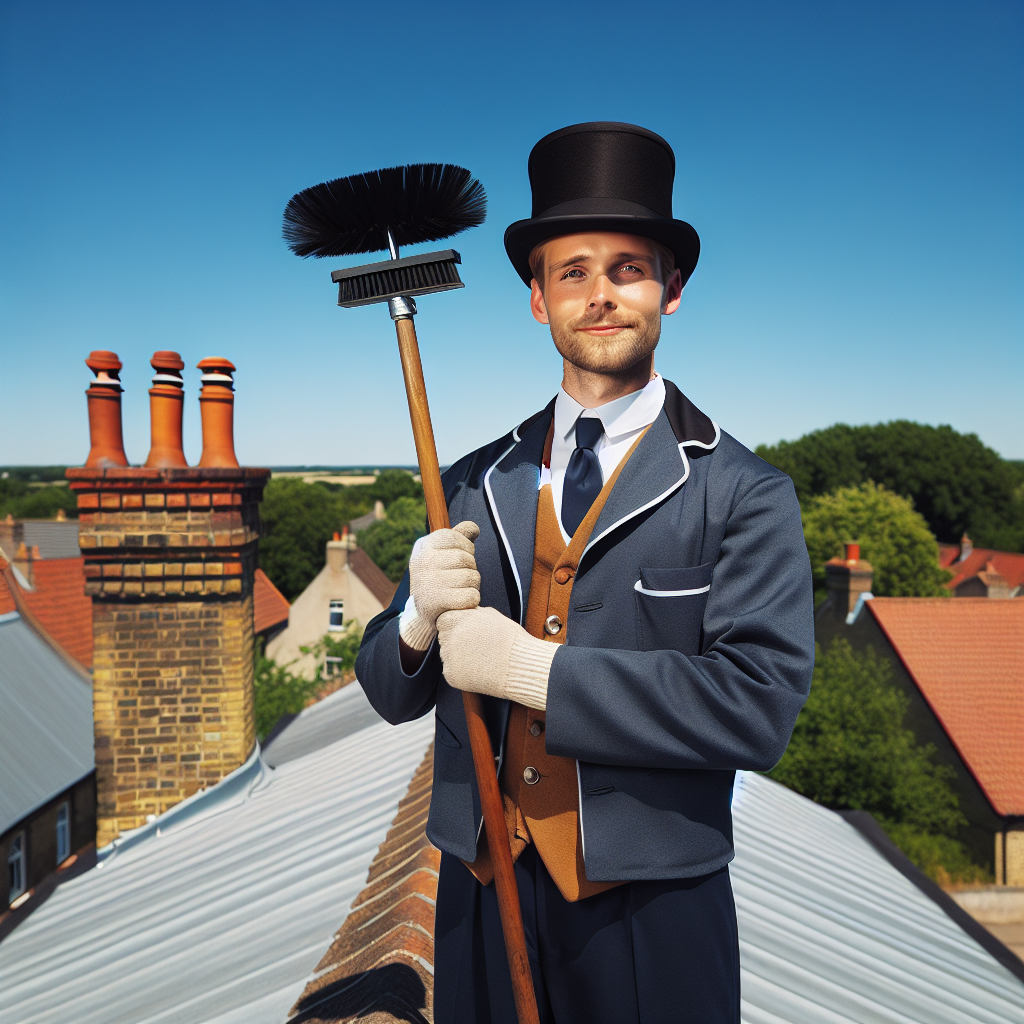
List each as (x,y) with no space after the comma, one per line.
(660,464)
(511,486)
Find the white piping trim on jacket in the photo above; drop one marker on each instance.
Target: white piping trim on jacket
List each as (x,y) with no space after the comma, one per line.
(583,837)
(701,444)
(501,529)
(643,508)
(664,494)
(670,593)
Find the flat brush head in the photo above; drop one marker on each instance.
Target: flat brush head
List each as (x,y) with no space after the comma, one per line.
(417,203)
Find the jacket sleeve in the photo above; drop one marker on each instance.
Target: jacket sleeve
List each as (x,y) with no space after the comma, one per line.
(395,696)
(734,705)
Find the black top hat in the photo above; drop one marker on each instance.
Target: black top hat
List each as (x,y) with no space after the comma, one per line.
(602,176)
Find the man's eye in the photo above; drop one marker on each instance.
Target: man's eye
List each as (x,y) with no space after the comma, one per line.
(630,268)
(575,271)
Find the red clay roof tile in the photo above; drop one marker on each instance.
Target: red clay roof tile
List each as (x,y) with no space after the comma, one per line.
(1008,564)
(269,606)
(58,601)
(967,657)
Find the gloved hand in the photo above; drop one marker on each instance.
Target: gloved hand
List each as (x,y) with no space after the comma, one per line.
(442,577)
(484,651)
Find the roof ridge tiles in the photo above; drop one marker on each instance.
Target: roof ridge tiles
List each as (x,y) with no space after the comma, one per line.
(380,964)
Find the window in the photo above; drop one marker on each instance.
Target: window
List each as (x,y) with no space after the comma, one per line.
(16,867)
(63,834)
(332,667)
(337,620)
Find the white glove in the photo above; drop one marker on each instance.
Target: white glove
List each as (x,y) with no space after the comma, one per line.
(484,651)
(442,577)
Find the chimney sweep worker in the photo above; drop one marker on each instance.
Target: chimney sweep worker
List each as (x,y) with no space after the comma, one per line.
(629,588)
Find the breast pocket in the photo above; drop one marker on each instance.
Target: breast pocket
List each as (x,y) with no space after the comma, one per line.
(670,607)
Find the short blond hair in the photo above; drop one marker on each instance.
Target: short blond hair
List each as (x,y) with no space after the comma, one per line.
(666,260)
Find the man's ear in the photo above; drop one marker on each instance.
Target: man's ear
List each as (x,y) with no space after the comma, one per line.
(537,306)
(673,293)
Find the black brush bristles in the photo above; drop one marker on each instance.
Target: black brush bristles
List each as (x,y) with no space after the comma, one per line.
(408,277)
(417,203)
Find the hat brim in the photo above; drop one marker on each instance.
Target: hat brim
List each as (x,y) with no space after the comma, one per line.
(522,237)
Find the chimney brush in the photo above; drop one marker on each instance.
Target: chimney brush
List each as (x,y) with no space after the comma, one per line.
(382,210)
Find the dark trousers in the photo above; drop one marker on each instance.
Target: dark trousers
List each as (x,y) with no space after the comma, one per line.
(642,953)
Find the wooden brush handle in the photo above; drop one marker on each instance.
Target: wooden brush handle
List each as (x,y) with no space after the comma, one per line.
(479,739)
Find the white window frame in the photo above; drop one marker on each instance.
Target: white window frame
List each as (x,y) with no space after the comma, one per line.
(63,832)
(332,667)
(336,604)
(16,863)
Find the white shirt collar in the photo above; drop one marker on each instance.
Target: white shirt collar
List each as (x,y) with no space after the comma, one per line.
(619,417)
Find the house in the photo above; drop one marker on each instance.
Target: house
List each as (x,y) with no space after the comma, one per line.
(982,572)
(47,770)
(350,586)
(961,665)
(49,568)
(300,888)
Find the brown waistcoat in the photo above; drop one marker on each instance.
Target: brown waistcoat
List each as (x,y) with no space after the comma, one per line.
(545,810)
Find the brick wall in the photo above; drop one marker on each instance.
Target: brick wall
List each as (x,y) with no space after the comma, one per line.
(170,557)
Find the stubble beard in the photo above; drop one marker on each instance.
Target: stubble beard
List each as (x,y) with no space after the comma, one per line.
(613,354)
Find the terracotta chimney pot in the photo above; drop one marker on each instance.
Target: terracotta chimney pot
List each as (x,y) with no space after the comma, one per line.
(104,398)
(852,554)
(217,406)
(166,401)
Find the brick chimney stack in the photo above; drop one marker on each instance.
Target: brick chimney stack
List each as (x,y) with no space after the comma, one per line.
(217,405)
(166,402)
(170,557)
(104,398)
(847,578)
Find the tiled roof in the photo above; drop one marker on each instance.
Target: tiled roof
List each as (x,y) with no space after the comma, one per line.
(269,606)
(55,538)
(1008,564)
(58,600)
(372,575)
(967,657)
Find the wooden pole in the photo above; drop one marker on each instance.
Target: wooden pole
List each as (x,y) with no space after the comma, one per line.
(480,741)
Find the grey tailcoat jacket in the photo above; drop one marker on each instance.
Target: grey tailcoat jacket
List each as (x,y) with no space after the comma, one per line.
(689,645)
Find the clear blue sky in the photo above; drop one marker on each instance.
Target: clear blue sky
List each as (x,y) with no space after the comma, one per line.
(855,171)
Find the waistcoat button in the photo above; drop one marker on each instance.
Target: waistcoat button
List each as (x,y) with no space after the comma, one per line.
(553,625)
(535,729)
(531,776)
(563,575)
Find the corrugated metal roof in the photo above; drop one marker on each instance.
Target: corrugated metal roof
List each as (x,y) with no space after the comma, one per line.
(216,912)
(336,716)
(222,915)
(45,722)
(55,538)
(831,933)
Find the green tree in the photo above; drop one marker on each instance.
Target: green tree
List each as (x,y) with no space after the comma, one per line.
(892,537)
(389,541)
(277,692)
(392,484)
(955,481)
(850,751)
(24,502)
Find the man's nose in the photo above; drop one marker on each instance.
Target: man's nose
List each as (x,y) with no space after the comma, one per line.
(600,295)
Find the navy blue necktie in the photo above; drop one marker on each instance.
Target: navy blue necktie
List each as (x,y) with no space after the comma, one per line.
(583,480)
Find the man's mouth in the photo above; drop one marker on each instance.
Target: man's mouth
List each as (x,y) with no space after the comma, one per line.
(605,328)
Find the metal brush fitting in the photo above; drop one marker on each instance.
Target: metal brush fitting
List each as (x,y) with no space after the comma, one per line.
(402,307)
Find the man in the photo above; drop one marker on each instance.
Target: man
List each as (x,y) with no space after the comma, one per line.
(628,587)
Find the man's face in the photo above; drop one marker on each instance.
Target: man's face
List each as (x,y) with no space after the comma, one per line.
(603,296)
